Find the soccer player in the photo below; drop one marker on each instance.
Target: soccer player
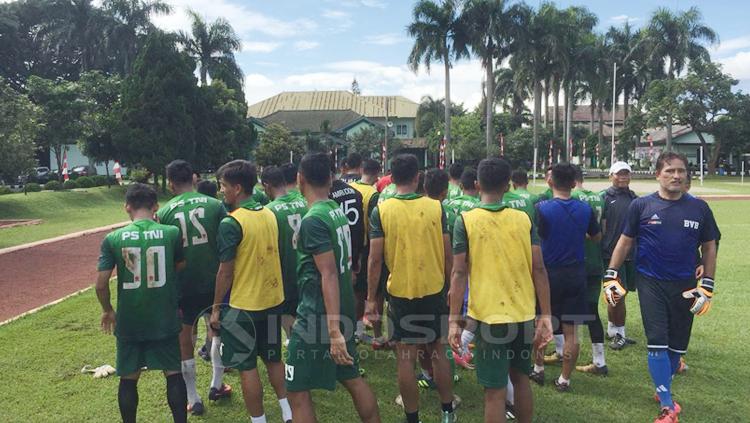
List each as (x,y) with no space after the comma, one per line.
(547,194)
(352,168)
(351,203)
(594,268)
(207,188)
(147,256)
(520,198)
(436,184)
(198,217)
(496,252)
(563,224)
(455,171)
(369,171)
(321,349)
(290,177)
(617,199)
(667,227)
(410,231)
(288,208)
(250,273)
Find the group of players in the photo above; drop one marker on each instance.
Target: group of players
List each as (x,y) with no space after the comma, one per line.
(457,256)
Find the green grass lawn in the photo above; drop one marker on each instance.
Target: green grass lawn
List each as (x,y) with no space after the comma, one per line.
(62,212)
(41,356)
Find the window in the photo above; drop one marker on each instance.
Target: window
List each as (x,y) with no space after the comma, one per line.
(401,130)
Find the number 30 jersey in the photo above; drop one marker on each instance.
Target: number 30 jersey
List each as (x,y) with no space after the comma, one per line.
(289,209)
(197,216)
(350,201)
(145,253)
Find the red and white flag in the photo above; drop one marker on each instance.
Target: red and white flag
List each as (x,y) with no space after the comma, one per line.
(65,166)
(442,154)
(502,145)
(549,162)
(384,155)
(650,147)
(583,153)
(118,172)
(597,154)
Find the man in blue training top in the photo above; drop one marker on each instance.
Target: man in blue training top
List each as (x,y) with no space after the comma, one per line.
(668,227)
(563,225)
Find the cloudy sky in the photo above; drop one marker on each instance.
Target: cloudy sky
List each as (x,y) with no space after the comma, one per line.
(324,44)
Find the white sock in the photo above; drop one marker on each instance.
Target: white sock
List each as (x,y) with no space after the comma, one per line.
(620,330)
(466,338)
(559,343)
(509,392)
(259,419)
(611,330)
(538,368)
(218,367)
(188,373)
(286,410)
(426,374)
(360,329)
(563,381)
(598,352)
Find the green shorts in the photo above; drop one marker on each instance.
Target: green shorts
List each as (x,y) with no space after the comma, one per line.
(309,365)
(626,273)
(244,338)
(193,306)
(161,354)
(418,320)
(500,347)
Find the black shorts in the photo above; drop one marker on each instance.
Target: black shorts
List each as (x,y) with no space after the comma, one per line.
(568,294)
(193,306)
(244,338)
(419,320)
(628,275)
(667,320)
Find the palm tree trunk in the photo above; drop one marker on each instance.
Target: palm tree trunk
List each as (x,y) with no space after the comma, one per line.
(565,112)
(669,132)
(569,118)
(204,75)
(591,121)
(600,134)
(446,62)
(626,101)
(556,107)
(490,86)
(537,107)
(546,101)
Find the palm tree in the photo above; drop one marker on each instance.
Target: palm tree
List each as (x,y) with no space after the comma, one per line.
(677,38)
(212,46)
(133,19)
(510,89)
(80,28)
(627,47)
(436,36)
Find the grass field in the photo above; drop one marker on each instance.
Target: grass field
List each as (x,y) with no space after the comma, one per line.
(41,356)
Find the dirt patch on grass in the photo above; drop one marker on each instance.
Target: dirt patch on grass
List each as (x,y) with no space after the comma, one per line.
(11,223)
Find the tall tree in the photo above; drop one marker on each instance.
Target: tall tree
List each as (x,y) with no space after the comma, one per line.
(133,23)
(101,94)
(20,122)
(677,39)
(511,93)
(436,33)
(212,46)
(275,144)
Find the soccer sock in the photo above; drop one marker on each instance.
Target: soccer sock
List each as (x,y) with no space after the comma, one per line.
(674,360)
(447,407)
(218,373)
(611,332)
(538,368)
(188,373)
(426,374)
(563,381)
(259,419)
(620,330)
(509,393)
(412,417)
(360,329)
(466,338)
(286,410)
(660,368)
(177,397)
(559,342)
(598,353)
(127,398)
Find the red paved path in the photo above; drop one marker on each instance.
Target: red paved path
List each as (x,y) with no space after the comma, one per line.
(32,277)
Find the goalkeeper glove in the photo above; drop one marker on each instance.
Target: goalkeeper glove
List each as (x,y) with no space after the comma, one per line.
(702,295)
(613,289)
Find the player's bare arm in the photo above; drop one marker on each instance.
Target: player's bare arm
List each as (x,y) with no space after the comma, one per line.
(329,276)
(541,287)
(708,258)
(459,281)
(224,278)
(180,266)
(374,268)
(624,244)
(103,295)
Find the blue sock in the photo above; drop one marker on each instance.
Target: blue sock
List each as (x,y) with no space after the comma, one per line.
(660,368)
(674,359)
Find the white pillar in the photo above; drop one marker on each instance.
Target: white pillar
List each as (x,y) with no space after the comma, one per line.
(700,166)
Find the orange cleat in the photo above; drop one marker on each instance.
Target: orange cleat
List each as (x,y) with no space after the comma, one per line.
(667,415)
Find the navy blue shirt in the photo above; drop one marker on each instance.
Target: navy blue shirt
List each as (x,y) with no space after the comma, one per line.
(562,225)
(668,234)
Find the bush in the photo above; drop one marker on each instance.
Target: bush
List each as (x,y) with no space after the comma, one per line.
(99,180)
(32,187)
(139,175)
(5,190)
(53,186)
(85,182)
(70,184)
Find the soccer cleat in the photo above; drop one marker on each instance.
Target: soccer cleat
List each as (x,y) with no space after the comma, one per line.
(537,377)
(382,344)
(619,342)
(553,358)
(667,415)
(510,411)
(562,387)
(205,353)
(630,341)
(215,394)
(677,407)
(196,409)
(593,369)
(463,360)
(456,402)
(683,366)
(425,383)
(449,417)
(365,338)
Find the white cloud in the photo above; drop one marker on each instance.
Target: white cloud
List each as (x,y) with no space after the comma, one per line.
(387,39)
(259,46)
(337,20)
(373,3)
(378,4)
(737,65)
(621,19)
(303,45)
(335,14)
(732,44)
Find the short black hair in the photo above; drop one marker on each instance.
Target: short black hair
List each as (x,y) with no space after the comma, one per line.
(469,179)
(353,160)
(141,196)
(239,172)
(519,177)
(180,172)
(272,176)
(290,173)
(370,167)
(667,157)
(455,170)
(563,176)
(578,174)
(435,182)
(316,168)
(404,168)
(207,187)
(493,174)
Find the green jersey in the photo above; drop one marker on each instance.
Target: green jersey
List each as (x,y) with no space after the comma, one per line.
(546,195)
(454,191)
(521,200)
(324,228)
(592,250)
(259,196)
(388,192)
(289,209)
(197,216)
(454,207)
(145,254)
